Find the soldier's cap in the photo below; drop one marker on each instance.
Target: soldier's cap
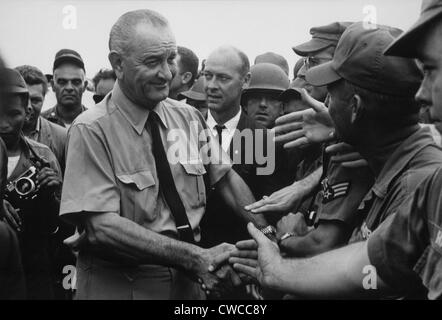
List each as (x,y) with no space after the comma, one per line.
(274,58)
(322,38)
(267,77)
(406,44)
(12,82)
(68,55)
(359,59)
(290,93)
(196,92)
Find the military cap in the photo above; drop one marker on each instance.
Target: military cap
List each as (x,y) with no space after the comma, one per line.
(68,55)
(322,37)
(12,82)
(359,59)
(290,93)
(274,58)
(405,45)
(267,76)
(196,92)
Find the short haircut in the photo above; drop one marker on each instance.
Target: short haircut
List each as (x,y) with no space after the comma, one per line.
(123,29)
(103,74)
(245,63)
(32,76)
(189,62)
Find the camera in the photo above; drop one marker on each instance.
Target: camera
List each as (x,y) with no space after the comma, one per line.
(24,187)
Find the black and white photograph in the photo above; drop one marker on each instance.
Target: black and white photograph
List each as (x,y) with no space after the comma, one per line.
(221,155)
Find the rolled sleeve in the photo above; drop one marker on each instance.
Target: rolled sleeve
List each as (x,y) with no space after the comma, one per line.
(89,184)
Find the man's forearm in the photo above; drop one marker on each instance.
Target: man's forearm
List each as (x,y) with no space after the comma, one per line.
(237,195)
(327,236)
(334,274)
(116,236)
(308,184)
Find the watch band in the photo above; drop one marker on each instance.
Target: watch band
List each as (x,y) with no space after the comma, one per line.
(285,236)
(269,230)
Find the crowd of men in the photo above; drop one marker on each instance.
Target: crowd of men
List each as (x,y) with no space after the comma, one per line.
(227,181)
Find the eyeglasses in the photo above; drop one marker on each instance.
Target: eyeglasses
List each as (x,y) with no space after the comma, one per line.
(312,61)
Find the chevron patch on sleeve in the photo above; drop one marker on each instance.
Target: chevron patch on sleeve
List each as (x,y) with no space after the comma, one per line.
(331,192)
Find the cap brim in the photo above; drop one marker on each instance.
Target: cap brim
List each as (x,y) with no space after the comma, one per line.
(311,46)
(193,95)
(405,45)
(322,75)
(15,89)
(290,93)
(68,58)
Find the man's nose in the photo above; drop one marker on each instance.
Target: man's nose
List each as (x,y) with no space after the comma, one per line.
(210,85)
(263,103)
(69,86)
(166,72)
(423,96)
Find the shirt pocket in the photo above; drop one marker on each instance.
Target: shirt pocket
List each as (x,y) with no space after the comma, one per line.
(193,188)
(137,192)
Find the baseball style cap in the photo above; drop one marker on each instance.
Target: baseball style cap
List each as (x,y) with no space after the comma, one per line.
(68,55)
(322,37)
(290,93)
(405,45)
(12,82)
(359,59)
(196,92)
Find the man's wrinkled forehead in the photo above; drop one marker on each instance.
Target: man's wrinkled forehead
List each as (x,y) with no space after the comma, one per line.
(148,38)
(69,72)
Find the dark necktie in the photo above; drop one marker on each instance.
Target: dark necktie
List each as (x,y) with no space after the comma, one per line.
(167,185)
(219,129)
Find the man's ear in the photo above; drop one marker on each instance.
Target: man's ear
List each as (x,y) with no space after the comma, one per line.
(116,62)
(281,108)
(85,85)
(246,82)
(357,109)
(186,77)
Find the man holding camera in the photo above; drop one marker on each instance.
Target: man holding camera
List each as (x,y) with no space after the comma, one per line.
(33,182)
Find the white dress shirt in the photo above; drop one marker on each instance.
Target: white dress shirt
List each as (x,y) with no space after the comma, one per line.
(228,132)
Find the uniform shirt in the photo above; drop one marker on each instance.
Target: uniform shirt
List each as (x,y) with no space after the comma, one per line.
(111,168)
(342,190)
(53,116)
(52,135)
(411,163)
(228,132)
(406,249)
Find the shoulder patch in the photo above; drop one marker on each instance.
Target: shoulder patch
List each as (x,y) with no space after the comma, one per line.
(333,191)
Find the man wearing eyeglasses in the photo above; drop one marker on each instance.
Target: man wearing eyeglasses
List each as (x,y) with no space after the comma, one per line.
(318,50)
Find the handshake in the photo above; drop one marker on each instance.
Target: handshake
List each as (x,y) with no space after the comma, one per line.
(226,266)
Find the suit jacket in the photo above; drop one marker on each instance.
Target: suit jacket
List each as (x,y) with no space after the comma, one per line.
(220,223)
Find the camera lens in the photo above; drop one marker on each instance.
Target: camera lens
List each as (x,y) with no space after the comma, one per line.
(24,186)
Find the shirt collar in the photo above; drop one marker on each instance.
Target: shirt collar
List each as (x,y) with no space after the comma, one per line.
(135,114)
(230,125)
(400,159)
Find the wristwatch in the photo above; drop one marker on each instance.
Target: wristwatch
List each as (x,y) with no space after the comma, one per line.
(285,236)
(268,231)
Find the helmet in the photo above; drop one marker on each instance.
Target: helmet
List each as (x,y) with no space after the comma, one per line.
(267,76)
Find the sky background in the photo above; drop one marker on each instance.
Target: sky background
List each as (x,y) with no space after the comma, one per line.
(32,31)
